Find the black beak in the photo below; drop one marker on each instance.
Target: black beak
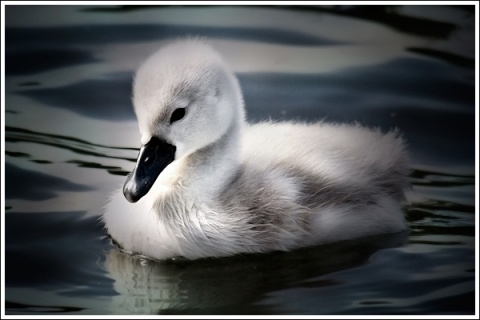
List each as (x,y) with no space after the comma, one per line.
(154,156)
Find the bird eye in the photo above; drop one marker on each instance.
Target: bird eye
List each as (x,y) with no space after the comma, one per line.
(178,114)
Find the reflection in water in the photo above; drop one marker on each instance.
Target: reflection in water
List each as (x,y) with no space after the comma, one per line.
(32,185)
(446,56)
(73,36)
(15,135)
(20,308)
(34,61)
(393,16)
(213,286)
(44,250)
(107,98)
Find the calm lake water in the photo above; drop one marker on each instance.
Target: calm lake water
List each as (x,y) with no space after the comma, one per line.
(71,137)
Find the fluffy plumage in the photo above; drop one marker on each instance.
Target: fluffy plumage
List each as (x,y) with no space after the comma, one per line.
(240,188)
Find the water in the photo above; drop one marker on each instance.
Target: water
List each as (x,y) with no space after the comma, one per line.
(71,137)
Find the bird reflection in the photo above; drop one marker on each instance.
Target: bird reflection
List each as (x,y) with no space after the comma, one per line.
(231,285)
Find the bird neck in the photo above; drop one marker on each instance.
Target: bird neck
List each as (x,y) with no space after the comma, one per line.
(210,168)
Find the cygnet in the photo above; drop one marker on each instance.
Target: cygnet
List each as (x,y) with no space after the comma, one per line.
(208,184)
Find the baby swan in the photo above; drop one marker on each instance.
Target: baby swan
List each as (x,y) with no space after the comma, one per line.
(207,184)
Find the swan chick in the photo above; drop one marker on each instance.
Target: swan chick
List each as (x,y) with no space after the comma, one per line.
(208,184)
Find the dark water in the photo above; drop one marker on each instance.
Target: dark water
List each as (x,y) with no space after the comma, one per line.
(71,137)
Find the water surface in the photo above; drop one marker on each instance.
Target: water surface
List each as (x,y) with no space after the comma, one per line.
(71,137)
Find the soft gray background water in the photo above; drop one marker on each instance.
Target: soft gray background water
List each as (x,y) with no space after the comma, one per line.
(71,137)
